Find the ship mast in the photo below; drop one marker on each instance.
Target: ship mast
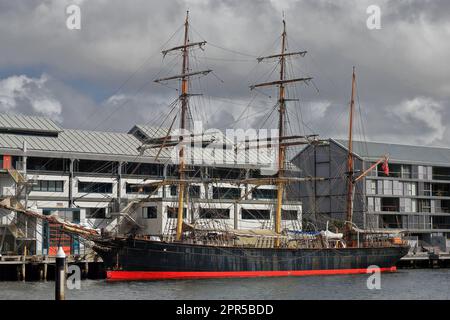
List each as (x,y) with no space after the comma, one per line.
(350,168)
(281,149)
(184,101)
(184,98)
(281,121)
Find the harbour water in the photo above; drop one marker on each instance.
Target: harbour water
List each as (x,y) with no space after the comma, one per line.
(404,284)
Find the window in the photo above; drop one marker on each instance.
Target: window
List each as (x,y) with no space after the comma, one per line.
(94,187)
(387,187)
(212,213)
(441,222)
(441,173)
(289,214)
(409,205)
(132,188)
(406,171)
(424,205)
(194,192)
(48,186)
(397,189)
(264,194)
(97,166)
(427,189)
(411,189)
(226,173)
(226,193)
(172,212)
(395,170)
(47,164)
(147,169)
(255,214)
(371,186)
(173,190)
(370,204)
(150,213)
(390,204)
(96,213)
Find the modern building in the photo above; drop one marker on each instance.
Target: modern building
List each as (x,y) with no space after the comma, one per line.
(414,197)
(89,177)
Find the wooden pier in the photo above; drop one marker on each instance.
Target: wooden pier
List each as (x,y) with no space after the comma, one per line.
(42,268)
(425,260)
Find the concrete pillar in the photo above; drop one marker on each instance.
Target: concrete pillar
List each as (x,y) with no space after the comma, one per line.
(71,204)
(164,187)
(236,216)
(119,186)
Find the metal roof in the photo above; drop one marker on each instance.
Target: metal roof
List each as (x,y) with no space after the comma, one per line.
(15,122)
(97,145)
(399,152)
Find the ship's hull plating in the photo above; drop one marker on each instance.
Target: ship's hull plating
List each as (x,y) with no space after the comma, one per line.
(131,259)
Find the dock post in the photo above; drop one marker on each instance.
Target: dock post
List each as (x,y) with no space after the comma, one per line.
(60,274)
(22,273)
(45,268)
(86,269)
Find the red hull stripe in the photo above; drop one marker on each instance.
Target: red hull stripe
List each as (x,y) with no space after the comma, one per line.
(158,275)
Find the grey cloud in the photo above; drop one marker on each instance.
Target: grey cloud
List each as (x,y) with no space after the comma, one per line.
(404,61)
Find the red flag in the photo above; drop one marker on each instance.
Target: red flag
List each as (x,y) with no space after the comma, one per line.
(385,167)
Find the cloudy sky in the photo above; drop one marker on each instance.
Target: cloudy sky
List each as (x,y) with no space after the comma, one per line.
(101,76)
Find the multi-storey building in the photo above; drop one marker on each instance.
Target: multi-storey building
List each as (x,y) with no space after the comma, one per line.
(89,177)
(414,197)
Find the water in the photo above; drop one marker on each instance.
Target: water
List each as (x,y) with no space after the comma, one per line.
(404,284)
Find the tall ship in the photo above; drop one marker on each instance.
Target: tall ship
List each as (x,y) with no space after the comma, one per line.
(202,233)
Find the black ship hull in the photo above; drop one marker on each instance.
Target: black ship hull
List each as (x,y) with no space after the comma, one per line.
(132,259)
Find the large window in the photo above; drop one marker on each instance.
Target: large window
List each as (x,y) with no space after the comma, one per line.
(289,214)
(147,169)
(390,204)
(96,213)
(441,222)
(424,205)
(395,170)
(95,166)
(150,212)
(264,194)
(387,187)
(441,173)
(255,214)
(406,171)
(132,188)
(226,193)
(47,164)
(94,187)
(410,189)
(225,173)
(212,213)
(48,186)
